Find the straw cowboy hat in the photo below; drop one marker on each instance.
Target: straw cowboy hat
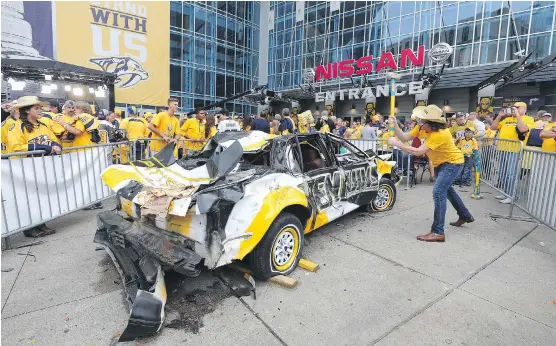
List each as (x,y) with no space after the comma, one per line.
(25,101)
(429,113)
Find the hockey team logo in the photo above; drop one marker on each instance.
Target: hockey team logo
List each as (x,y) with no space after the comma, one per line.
(129,71)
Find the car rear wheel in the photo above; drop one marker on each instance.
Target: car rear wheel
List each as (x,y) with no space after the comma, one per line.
(279,252)
(385,197)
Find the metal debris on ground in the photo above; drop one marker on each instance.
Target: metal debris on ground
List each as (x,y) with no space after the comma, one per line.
(7,270)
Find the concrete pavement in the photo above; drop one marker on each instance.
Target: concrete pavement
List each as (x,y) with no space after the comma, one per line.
(492,283)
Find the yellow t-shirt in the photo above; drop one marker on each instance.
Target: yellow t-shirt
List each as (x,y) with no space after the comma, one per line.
(458,131)
(357,133)
(325,128)
(507,129)
(7,126)
(193,128)
(468,146)
(164,124)
(441,145)
(20,138)
(48,119)
(135,128)
(85,123)
(549,144)
(212,132)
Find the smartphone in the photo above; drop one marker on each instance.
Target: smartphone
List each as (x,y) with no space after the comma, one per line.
(508,110)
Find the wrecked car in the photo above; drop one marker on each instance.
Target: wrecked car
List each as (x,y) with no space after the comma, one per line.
(245,196)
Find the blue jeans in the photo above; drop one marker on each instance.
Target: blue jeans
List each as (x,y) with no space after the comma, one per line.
(442,190)
(507,171)
(465,175)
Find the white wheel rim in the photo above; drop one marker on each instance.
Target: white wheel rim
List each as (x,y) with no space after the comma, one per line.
(382,198)
(283,248)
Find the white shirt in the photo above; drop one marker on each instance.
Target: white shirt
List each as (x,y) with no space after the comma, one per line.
(480,127)
(228,125)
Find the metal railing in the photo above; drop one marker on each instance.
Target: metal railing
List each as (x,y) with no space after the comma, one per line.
(37,187)
(524,176)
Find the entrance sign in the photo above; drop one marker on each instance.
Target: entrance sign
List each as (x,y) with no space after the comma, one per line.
(365,65)
(440,52)
(412,88)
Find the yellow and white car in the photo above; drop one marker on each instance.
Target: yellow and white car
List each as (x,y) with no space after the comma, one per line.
(245,195)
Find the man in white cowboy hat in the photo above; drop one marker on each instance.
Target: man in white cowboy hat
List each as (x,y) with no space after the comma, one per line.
(447,160)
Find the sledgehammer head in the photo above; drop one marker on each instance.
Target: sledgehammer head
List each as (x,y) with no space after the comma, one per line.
(393,75)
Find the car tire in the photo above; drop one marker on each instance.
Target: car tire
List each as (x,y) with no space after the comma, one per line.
(385,198)
(279,252)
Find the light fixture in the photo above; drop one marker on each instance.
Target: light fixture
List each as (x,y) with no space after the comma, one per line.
(47,77)
(353,106)
(53,87)
(67,87)
(100,93)
(45,89)
(78,91)
(91,90)
(446,102)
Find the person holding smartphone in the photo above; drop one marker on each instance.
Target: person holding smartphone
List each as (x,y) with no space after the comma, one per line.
(512,124)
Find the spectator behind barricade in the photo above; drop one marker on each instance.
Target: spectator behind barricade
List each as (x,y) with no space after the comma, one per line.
(548,136)
(248,123)
(539,116)
(452,121)
(479,125)
(194,129)
(356,133)
(134,128)
(82,130)
(341,128)
(489,132)
(10,116)
(261,124)
(48,118)
(458,130)
(210,127)
(274,127)
(286,123)
(468,145)
(324,127)
(162,127)
(511,126)
(369,132)
(106,130)
(533,140)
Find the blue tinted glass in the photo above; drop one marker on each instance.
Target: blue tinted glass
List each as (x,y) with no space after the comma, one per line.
(449,15)
(539,45)
(493,8)
(466,11)
(175,14)
(542,19)
(553,50)
(520,5)
(408,7)
(521,21)
(488,52)
(394,8)
(491,28)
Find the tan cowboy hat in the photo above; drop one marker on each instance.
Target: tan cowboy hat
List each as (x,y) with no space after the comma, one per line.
(25,101)
(429,113)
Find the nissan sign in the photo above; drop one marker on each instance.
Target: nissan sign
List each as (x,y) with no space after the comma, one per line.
(440,52)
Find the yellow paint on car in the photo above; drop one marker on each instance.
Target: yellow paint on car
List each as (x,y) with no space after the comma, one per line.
(112,176)
(383,167)
(272,205)
(322,219)
(127,206)
(180,224)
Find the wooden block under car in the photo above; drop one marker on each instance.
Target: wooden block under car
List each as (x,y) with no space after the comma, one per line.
(284,281)
(308,265)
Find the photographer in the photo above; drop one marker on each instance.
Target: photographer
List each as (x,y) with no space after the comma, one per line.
(513,125)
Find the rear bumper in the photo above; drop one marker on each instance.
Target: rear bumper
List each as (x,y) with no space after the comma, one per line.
(139,256)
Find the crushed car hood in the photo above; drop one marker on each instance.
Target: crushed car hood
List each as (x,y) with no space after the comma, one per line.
(163,185)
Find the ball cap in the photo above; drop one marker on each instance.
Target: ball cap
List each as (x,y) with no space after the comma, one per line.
(520,104)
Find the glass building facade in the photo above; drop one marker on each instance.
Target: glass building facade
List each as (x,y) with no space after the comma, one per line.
(481,32)
(213,52)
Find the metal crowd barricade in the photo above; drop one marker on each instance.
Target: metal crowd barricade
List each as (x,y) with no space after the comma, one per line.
(142,148)
(500,165)
(536,187)
(404,161)
(37,188)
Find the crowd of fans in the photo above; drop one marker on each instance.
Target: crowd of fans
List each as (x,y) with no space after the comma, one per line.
(29,124)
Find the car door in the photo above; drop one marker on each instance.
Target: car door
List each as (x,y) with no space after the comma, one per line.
(361,181)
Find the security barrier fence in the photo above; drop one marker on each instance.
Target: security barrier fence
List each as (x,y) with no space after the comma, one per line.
(525,177)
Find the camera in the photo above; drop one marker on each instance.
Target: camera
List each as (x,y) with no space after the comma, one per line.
(508,110)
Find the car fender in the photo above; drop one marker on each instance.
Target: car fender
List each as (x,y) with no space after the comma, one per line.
(252,216)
